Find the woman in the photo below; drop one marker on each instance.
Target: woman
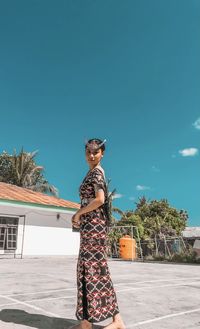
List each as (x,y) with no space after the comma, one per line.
(96,297)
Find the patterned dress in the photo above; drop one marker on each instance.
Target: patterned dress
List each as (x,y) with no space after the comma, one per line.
(96,297)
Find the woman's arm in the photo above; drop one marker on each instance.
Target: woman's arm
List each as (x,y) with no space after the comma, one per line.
(98,183)
(94,204)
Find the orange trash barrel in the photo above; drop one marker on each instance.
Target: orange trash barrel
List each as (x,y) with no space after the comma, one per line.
(127,247)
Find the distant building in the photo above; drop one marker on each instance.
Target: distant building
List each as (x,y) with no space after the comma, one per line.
(33,223)
(192,235)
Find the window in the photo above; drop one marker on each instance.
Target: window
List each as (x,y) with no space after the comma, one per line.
(2,237)
(8,233)
(8,221)
(12,238)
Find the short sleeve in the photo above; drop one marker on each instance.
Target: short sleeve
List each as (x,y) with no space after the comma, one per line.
(98,180)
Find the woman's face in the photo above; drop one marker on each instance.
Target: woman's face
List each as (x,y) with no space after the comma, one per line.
(93,156)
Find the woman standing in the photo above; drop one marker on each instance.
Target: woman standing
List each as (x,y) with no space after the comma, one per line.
(96,297)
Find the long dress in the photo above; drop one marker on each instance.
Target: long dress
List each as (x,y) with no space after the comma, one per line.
(96,297)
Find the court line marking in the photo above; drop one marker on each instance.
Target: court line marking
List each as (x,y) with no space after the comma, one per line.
(40,292)
(39,299)
(161,286)
(51,276)
(32,306)
(116,275)
(115,285)
(117,291)
(159,280)
(26,303)
(162,318)
(51,298)
(8,304)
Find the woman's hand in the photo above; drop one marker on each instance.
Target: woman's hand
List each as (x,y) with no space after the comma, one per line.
(76,220)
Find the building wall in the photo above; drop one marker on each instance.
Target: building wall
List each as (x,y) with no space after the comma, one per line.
(41,233)
(41,240)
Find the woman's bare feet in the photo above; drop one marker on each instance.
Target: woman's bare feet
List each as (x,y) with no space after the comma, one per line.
(117,323)
(84,324)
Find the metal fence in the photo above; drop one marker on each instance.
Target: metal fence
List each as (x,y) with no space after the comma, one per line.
(163,247)
(117,232)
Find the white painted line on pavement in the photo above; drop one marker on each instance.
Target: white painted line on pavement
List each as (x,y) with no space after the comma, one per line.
(160,280)
(2,305)
(39,292)
(51,276)
(39,299)
(51,298)
(31,306)
(161,286)
(162,318)
(117,291)
(43,292)
(115,285)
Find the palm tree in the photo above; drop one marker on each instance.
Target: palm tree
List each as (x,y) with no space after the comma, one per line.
(118,211)
(21,170)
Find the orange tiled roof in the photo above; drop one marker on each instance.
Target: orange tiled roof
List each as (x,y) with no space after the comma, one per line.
(16,193)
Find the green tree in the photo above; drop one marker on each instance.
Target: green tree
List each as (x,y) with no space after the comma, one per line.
(159,218)
(129,218)
(22,170)
(155,218)
(154,221)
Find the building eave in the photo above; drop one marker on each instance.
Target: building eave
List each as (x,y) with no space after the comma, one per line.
(31,205)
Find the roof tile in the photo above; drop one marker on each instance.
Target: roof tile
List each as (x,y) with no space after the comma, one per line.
(16,193)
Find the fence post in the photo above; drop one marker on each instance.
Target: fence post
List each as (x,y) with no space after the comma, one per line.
(156,246)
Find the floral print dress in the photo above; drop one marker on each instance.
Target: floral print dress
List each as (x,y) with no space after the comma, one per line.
(96,297)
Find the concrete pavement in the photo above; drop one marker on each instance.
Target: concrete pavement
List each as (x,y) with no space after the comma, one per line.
(40,292)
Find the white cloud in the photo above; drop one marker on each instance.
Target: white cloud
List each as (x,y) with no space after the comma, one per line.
(189,152)
(142,187)
(132,198)
(196,124)
(155,169)
(117,196)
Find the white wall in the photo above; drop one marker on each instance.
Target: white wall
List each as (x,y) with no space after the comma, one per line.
(43,233)
(50,241)
(20,236)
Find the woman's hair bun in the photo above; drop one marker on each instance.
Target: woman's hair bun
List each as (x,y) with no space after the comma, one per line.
(100,144)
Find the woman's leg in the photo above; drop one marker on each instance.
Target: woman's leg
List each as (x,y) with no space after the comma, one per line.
(83,325)
(117,323)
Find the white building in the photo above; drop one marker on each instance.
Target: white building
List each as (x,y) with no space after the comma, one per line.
(192,235)
(191,232)
(33,223)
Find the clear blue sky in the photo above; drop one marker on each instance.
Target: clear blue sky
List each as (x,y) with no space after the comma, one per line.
(127,71)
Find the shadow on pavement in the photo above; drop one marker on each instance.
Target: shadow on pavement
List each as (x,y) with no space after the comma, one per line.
(38,321)
(35,320)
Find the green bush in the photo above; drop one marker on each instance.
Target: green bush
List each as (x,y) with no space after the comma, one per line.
(187,257)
